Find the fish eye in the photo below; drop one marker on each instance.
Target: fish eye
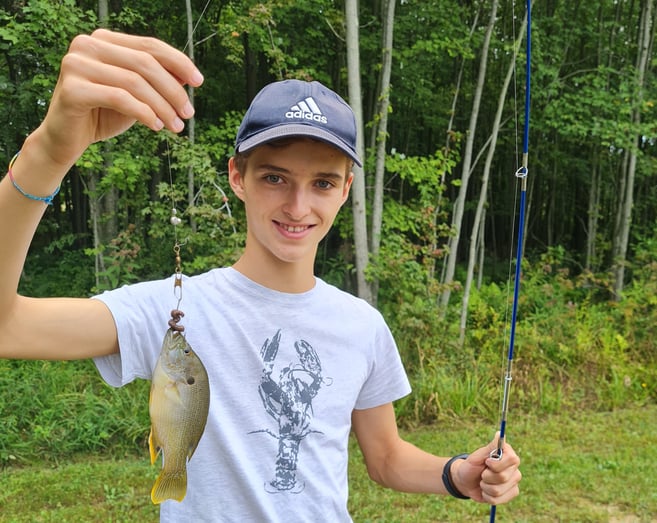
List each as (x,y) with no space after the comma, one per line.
(191,380)
(186,351)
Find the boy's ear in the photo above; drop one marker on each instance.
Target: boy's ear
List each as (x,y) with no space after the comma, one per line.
(347,186)
(235,179)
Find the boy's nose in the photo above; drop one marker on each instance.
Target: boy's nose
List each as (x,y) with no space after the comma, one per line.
(297,205)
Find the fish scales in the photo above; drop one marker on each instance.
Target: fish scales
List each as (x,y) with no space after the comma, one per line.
(178,406)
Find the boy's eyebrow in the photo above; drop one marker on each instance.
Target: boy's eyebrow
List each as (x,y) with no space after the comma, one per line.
(271,167)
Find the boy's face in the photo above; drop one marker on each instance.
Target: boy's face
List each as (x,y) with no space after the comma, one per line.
(291,193)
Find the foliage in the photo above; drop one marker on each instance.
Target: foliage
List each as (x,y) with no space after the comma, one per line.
(157,176)
(214,234)
(70,275)
(413,228)
(32,40)
(36,417)
(584,91)
(432,40)
(121,260)
(583,94)
(575,349)
(268,32)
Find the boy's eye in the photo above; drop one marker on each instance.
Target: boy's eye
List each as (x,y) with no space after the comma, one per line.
(324,184)
(273,178)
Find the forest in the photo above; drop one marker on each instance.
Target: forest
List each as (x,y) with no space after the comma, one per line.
(429,236)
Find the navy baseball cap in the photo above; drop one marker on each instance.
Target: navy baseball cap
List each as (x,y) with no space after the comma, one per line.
(296,108)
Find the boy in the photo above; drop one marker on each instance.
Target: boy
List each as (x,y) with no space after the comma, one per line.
(294,364)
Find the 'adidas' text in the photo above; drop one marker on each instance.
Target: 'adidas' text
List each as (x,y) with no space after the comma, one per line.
(306,110)
(306,116)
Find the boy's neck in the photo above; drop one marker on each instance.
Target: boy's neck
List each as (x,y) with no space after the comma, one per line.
(277,275)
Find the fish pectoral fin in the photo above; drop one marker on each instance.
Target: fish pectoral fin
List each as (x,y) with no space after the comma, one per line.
(195,440)
(153,448)
(169,485)
(191,450)
(172,394)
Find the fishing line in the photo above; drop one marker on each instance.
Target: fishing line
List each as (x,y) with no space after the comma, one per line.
(521,176)
(207,4)
(175,219)
(175,222)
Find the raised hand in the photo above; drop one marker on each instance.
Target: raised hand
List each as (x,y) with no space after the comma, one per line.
(107,82)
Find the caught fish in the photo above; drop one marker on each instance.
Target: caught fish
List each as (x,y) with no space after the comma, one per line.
(178,406)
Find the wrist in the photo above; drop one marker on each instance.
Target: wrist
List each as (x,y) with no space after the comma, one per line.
(36,168)
(46,151)
(448,477)
(45,199)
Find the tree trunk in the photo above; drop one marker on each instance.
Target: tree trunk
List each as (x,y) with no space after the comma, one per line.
(381,134)
(103,12)
(477,225)
(191,123)
(448,145)
(102,208)
(482,251)
(642,62)
(358,194)
(592,217)
(459,204)
(94,216)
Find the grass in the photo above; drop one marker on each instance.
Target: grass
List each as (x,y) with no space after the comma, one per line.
(88,488)
(584,467)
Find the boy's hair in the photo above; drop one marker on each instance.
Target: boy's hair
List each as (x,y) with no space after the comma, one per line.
(241,159)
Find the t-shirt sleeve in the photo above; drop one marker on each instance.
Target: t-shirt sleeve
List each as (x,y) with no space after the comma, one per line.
(141,313)
(387,380)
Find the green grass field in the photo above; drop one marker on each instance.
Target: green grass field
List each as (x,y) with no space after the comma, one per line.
(585,467)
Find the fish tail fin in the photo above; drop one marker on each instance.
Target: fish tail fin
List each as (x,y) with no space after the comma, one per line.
(169,485)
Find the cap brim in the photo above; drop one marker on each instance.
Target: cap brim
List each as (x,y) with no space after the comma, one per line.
(291,130)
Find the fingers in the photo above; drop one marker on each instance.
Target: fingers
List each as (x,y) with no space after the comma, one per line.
(176,62)
(490,480)
(500,486)
(97,85)
(500,478)
(135,76)
(107,82)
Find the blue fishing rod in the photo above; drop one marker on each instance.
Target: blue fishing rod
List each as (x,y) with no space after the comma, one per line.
(521,174)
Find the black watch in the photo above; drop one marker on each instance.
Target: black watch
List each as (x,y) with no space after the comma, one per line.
(447,477)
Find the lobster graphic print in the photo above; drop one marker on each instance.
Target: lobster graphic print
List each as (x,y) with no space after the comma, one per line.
(288,400)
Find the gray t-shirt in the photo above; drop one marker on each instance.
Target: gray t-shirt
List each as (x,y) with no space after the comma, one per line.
(286,371)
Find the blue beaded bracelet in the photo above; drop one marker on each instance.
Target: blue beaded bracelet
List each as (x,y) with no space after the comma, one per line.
(45,199)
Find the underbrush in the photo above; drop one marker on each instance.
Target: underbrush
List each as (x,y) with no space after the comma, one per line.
(55,409)
(575,350)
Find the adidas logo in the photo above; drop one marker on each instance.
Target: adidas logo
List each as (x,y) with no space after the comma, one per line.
(306,110)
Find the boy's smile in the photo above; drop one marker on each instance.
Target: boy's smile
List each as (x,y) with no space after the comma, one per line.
(292,192)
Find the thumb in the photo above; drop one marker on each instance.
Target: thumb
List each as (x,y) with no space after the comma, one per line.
(481,455)
(469,474)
